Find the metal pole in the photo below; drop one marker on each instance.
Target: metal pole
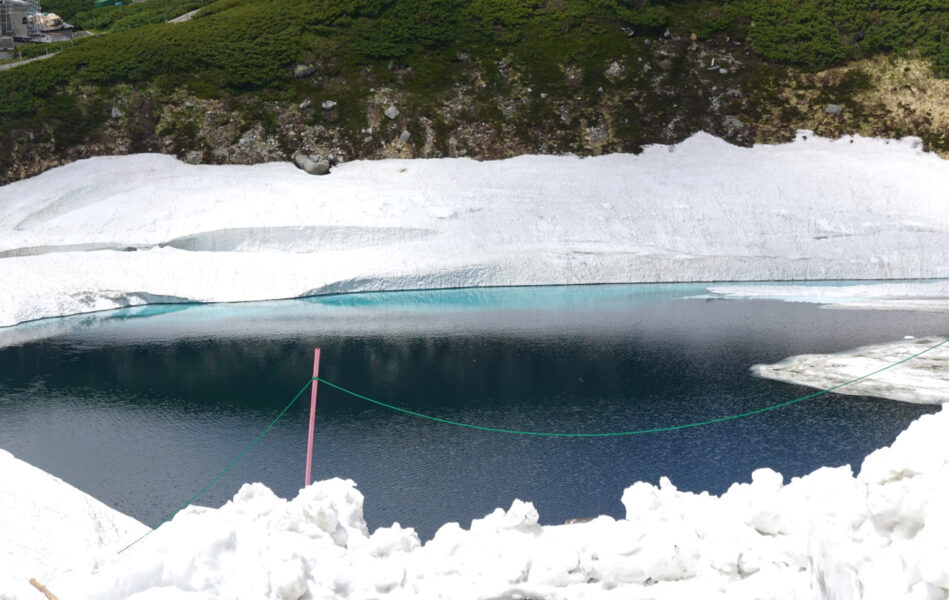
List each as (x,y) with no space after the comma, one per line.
(309,444)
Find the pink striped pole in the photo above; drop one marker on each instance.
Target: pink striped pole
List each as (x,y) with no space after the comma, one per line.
(309,443)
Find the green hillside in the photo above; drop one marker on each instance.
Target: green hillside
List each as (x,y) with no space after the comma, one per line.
(534,75)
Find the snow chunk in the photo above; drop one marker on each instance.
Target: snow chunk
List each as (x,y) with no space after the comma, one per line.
(923,380)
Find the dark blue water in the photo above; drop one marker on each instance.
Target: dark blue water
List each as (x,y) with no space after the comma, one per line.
(142,408)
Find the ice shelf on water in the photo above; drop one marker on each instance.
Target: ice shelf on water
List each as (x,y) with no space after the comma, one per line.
(922,380)
(884,295)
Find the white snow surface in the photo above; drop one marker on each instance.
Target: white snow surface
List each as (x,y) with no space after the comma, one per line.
(703,210)
(45,523)
(922,380)
(932,296)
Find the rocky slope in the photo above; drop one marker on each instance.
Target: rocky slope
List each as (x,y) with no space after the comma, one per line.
(657,89)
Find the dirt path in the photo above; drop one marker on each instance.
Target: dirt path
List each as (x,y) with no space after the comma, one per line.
(23,62)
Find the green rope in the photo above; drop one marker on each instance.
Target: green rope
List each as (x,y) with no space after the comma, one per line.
(226,469)
(638,431)
(514,431)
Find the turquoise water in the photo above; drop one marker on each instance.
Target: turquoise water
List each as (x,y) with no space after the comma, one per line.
(142,407)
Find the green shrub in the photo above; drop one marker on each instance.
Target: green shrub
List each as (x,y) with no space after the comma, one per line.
(67,9)
(129,15)
(33,50)
(820,33)
(252,44)
(502,20)
(408,26)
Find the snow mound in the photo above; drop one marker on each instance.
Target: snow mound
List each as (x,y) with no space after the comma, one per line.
(110,232)
(923,380)
(882,535)
(47,525)
(931,296)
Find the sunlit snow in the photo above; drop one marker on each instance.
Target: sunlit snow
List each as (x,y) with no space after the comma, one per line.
(116,231)
(923,380)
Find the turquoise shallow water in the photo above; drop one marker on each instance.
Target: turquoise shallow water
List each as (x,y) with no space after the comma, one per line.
(142,407)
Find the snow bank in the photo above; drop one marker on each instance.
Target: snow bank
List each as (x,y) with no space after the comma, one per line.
(917,295)
(117,231)
(923,380)
(882,535)
(47,525)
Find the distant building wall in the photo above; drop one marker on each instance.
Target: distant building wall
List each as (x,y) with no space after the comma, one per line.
(13,19)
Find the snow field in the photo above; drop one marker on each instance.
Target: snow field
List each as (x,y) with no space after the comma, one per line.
(115,231)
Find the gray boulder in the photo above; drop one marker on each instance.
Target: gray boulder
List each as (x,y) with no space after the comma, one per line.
(328,105)
(598,134)
(834,109)
(314,164)
(306,104)
(733,123)
(615,71)
(392,112)
(406,135)
(734,129)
